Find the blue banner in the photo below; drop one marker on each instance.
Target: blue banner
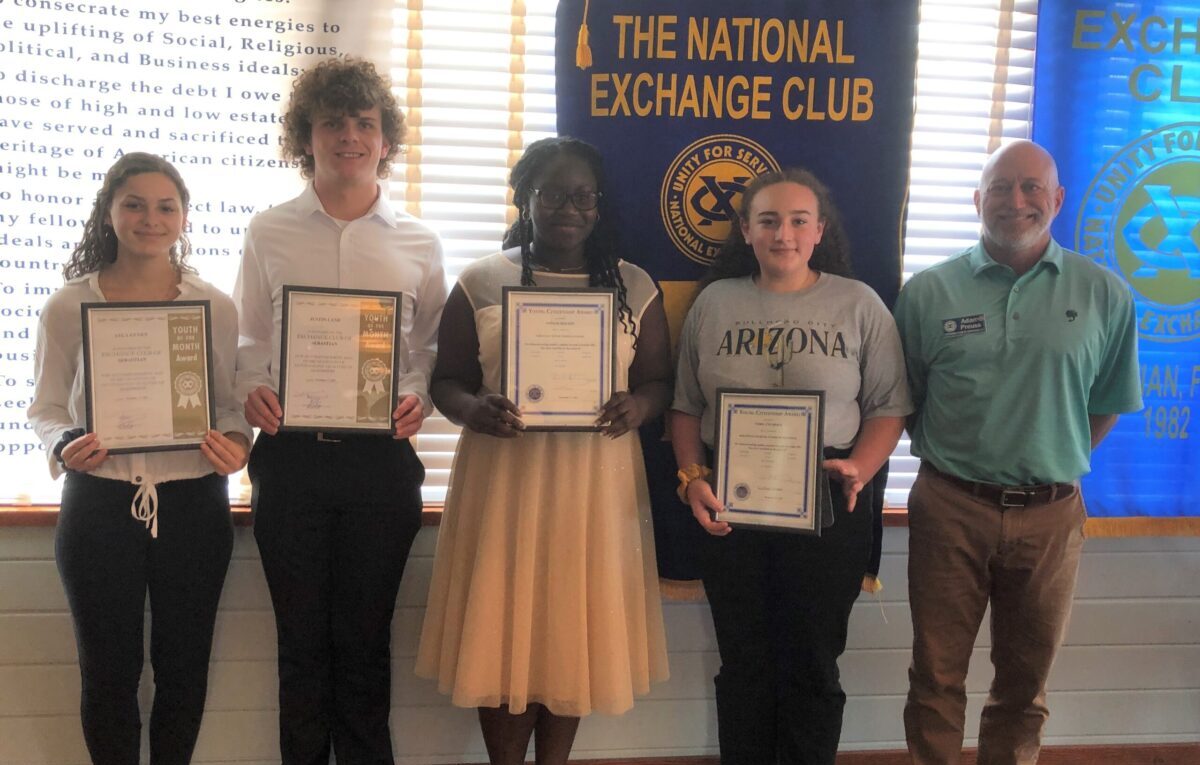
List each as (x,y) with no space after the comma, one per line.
(691,99)
(1117,102)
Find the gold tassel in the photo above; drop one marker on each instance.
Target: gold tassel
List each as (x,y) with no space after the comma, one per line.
(583,53)
(871,584)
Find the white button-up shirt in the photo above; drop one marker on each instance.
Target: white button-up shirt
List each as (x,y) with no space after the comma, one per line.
(299,244)
(58,394)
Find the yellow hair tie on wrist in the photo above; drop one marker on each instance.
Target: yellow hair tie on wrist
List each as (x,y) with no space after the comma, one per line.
(687,475)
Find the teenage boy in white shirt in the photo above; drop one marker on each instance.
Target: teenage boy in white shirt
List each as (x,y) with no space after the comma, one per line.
(335,515)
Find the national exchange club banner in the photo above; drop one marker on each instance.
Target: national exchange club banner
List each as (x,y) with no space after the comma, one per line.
(1117,102)
(689,100)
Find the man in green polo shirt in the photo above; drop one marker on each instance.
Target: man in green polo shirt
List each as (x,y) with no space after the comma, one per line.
(1020,357)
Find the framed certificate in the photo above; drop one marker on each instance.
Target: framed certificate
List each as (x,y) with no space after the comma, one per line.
(768,458)
(147,374)
(558,355)
(339,354)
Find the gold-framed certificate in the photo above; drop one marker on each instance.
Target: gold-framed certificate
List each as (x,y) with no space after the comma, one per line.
(558,353)
(768,458)
(147,374)
(339,355)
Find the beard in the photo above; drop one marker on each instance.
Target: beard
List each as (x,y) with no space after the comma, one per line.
(1016,239)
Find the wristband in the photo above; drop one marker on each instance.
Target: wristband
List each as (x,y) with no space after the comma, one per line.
(65,439)
(687,475)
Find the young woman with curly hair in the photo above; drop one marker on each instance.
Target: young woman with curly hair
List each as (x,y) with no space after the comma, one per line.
(132,524)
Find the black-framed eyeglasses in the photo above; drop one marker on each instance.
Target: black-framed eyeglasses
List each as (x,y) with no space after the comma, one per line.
(553,199)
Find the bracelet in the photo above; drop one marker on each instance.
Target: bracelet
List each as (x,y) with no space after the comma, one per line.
(687,475)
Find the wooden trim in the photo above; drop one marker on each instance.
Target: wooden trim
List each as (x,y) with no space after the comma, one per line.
(895,516)
(1120,754)
(47,515)
(1142,527)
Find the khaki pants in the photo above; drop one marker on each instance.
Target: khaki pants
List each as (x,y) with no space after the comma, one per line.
(963,552)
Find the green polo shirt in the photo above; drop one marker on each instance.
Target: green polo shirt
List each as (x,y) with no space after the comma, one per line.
(1004,370)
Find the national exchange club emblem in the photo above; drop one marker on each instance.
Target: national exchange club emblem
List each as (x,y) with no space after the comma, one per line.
(1141,218)
(703,187)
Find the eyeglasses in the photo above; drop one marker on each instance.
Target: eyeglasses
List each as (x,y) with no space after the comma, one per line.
(553,199)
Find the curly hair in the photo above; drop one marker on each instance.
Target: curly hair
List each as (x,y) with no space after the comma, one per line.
(830,256)
(98,247)
(340,86)
(600,248)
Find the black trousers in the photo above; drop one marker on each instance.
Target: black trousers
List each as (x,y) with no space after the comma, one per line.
(780,604)
(108,562)
(334,523)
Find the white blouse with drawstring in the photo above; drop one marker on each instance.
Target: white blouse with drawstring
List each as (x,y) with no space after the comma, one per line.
(58,395)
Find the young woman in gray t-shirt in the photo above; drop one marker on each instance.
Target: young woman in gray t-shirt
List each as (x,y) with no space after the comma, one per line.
(779,310)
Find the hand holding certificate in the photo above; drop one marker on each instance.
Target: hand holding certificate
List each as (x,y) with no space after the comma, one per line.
(768,458)
(558,352)
(338,371)
(148,374)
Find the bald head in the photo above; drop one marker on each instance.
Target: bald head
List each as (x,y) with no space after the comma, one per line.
(1023,153)
(1017,199)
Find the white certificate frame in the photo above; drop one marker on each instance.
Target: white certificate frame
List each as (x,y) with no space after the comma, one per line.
(558,352)
(140,389)
(769,449)
(319,336)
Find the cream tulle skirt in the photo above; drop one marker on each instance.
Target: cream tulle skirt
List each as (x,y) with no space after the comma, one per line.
(544,585)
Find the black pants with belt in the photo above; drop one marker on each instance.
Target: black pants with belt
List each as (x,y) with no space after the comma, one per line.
(780,604)
(108,562)
(334,522)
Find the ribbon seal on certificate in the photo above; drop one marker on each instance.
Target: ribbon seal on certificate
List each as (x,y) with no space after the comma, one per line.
(188,385)
(373,371)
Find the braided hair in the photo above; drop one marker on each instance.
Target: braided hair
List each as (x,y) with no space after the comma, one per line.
(830,256)
(600,248)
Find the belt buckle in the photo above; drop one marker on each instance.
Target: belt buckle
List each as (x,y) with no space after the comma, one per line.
(1007,495)
(321,437)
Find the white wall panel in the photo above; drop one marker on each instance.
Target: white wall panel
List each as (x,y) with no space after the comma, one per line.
(1129,673)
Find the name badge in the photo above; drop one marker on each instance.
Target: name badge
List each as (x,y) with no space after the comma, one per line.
(963,325)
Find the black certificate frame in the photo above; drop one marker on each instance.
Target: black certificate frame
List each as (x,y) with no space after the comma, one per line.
(285,343)
(91,404)
(510,385)
(740,509)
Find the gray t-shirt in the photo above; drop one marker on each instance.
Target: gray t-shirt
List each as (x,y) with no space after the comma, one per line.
(835,336)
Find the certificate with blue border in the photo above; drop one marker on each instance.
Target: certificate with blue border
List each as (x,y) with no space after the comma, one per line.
(558,351)
(768,458)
